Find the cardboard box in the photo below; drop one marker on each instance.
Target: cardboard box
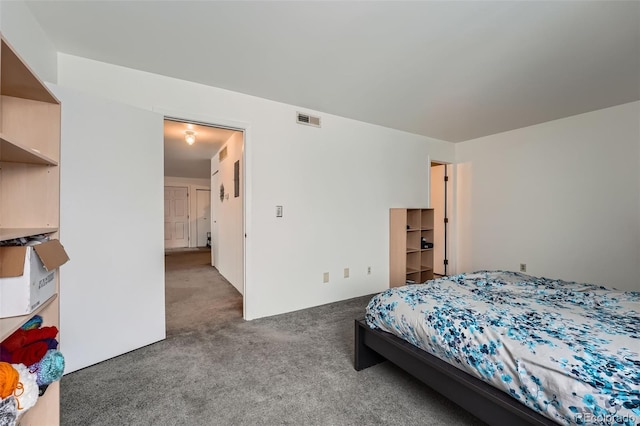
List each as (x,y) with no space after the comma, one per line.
(28,276)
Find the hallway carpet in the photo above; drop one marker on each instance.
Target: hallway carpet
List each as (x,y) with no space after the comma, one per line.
(196,294)
(216,369)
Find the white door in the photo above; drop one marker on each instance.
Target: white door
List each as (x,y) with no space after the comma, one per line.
(111,224)
(203,218)
(176,217)
(215,200)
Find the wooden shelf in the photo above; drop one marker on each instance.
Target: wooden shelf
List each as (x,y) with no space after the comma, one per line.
(19,81)
(11,324)
(11,233)
(422,269)
(13,152)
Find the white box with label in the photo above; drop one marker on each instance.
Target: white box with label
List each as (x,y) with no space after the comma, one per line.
(28,276)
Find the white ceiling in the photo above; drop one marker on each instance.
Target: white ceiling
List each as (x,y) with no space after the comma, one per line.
(191,161)
(453,70)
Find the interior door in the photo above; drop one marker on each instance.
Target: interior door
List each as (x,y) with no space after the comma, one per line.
(215,203)
(203,216)
(111,224)
(176,217)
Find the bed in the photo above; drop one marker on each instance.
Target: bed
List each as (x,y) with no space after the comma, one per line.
(512,348)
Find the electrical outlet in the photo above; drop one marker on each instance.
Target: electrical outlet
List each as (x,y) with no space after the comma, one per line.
(368,270)
(523,267)
(346,272)
(325,277)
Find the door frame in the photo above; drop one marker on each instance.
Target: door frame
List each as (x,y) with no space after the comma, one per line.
(246,179)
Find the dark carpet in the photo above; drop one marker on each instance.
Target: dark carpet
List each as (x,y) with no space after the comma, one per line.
(216,369)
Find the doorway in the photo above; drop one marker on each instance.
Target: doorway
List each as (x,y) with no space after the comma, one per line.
(194,283)
(440,191)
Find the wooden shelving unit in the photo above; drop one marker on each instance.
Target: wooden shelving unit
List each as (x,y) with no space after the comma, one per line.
(409,261)
(29,186)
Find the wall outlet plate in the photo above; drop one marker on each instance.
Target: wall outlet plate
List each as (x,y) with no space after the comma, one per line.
(325,277)
(278,211)
(523,267)
(346,272)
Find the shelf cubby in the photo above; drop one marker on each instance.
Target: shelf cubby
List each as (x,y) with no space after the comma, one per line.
(14,152)
(408,261)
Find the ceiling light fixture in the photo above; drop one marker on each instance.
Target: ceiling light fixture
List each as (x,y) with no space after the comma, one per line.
(190,136)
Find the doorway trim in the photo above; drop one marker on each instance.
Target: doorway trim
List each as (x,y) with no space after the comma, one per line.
(246,180)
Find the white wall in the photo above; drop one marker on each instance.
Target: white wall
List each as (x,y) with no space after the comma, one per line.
(192,185)
(229,214)
(562,197)
(336,184)
(26,36)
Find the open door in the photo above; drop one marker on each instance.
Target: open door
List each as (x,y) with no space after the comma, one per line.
(176,217)
(111,223)
(215,243)
(439,183)
(203,217)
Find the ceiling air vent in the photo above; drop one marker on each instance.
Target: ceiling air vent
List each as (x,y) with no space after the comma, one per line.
(308,120)
(223,154)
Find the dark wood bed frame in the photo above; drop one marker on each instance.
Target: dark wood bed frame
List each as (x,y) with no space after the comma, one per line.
(479,398)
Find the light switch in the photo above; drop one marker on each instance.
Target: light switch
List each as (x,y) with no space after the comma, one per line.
(278,211)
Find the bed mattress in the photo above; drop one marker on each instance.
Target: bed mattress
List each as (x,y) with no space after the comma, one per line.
(567,350)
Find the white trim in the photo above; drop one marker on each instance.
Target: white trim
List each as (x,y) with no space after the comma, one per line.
(246,177)
(246,204)
(429,160)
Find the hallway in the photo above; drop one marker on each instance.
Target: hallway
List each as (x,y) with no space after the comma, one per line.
(196,295)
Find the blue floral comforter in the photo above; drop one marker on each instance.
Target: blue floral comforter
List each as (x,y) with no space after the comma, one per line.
(567,350)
